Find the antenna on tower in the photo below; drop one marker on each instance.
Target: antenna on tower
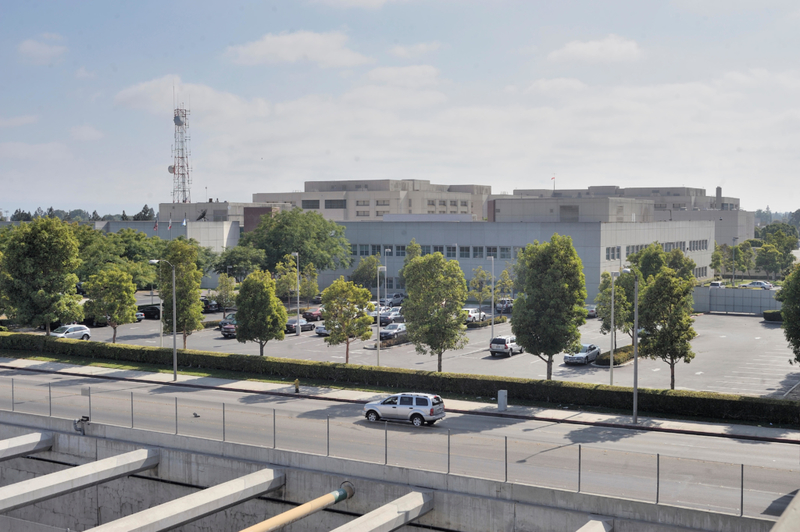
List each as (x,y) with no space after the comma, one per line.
(180,169)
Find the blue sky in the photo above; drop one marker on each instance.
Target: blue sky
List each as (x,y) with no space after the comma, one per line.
(695,93)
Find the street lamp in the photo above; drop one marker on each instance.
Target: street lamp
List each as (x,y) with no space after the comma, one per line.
(297,325)
(614,276)
(378,315)
(174,321)
(635,344)
(492,259)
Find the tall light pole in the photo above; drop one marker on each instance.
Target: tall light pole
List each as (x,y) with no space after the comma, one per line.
(614,276)
(174,320)
(378,315)
(297,325)
(733,279)
(492,259)
(635,344)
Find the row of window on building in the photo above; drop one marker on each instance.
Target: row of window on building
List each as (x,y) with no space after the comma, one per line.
(701,272)
(614,252)
(313,204)
(450,252)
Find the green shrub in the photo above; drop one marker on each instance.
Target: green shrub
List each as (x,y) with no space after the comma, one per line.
(652,402)
(486,323)
(621,355)
(773,315)
(211,324)
(3,328)
(394,341)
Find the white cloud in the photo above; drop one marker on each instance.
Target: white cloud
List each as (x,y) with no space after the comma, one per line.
(556,85)
(85,133)
(18,121)
(414,50)
(53,151)
(611,49)
(411,76)
(82,73)
(39,53)
(388,97)
(327,50)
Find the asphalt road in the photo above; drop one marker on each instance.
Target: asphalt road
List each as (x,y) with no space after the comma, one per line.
(695,471)
(734,354)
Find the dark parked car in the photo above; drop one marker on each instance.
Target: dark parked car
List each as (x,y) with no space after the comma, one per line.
(313,314)
(304,325)
(229,330)
(317,299)
(80,290)
(151,313)
(395,330)
(209,305)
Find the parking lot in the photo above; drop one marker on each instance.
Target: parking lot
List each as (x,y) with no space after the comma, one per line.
(734,354)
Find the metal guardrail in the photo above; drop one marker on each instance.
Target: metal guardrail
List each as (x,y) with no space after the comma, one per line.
(737,489)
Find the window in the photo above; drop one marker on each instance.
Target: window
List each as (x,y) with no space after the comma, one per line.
(381,213)
(463,252)
(310,204)
(390,283)
(387,250)
(451,252)
(453,203)
(382,202)
(431,212)
(505,252)
(335,204)
(464,203)
(376,249)
(408,401)
(660,206)
(401,251)
(409,202)
(491,251)
(453,212)
(362,202)
(431,202)
(426,250)
(362,213)
(422,401)
(363,250)
(354,249)
(477,252)
(442,202)
(442,212)
(438,249)
(401,283)
(614,253)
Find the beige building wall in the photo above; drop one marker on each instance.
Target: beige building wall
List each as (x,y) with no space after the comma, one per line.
(217,235)
(571,210)
(213,211)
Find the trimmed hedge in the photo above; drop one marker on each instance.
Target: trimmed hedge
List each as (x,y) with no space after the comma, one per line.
(211,324)
(653,402)
(773,315)
(486,323)
(621,355)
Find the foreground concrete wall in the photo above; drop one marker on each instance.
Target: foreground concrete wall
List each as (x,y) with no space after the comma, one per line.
(735,300)
(190,464)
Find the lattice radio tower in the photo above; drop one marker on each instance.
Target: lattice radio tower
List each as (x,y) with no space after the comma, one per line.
(181,178)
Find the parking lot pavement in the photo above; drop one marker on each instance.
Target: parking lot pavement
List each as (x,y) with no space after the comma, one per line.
(733,354)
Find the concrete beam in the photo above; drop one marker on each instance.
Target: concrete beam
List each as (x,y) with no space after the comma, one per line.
(198,505)
(597,525)
(25,445)
(393,515)
(77,478)
(790,518)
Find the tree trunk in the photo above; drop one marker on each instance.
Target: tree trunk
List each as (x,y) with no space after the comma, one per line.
(261,348)
(114,337)
(184,339)
(440,361)
(672,376)
(347,351)
(550,368)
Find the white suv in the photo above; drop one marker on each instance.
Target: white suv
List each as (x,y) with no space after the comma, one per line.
(504,306)
(78,332)
(505,345)
(474,314)
(393,300)
(418,408)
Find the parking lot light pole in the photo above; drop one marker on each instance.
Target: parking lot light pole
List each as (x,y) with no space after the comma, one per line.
(378,315)
(492,259)
(635,345)
(174,320)
(733,279)
(297,325)
(614,276)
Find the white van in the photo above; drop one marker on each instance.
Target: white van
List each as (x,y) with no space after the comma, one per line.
(716,284)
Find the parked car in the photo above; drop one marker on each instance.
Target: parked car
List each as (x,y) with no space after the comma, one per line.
(757,284)
(228,330)
(394,330)
(209,305)
(591,311)
(291,325)
(418,408)
(139,316)
(317,299)
(231,318)
(322,331)
(504,306)
(78,332)
(504,345)
(80,290)
(716,284)
(393,300)
(151,313)
(376,312)
(588,353)
(313,314)
(474,314)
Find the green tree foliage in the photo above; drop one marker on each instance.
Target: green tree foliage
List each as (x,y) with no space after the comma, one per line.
(145,214)
(183,255)
(317,240)
(504,285)
(226,293)
(260,316)
(547,316)
(480,286)
(437,292)
(794,219)
(789,296)
(413,250)
(744,257)
(21,216)
(240,260)
(37,273)
(346,314)
(623,304)
(286,277)
(666,320)
(652,259)
(770,259)
(112,294)
(308,282)
(365,274)
(786,229)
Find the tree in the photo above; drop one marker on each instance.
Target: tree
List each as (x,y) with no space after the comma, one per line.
(366,273)
(308,282)
(623,306)
(145,214)
(413,250)
(124,216)
(437,291)
(37,273)
(112,294)
(769,259)
(260,316)
(95,217)
(286,277)
(346,314)
(789,296)
(547,316)
(183,256)
(718,258)
(240,260)
(317,240)
(504,285)
(744,257)
(666,319)
(480,285)
(21,216)
(226,293)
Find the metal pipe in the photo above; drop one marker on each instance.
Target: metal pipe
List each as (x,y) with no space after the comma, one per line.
(579,468)
(131,409)
(741,499)
(345,492)
(658,476)
(174,327)
(50,398)
(385,442)
(328,453)
(448,451)
(274,435)
(176,415)
(12,394)
(636,350)
(506,457)
(223,421)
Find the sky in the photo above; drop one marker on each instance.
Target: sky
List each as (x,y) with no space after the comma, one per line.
(698,93)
